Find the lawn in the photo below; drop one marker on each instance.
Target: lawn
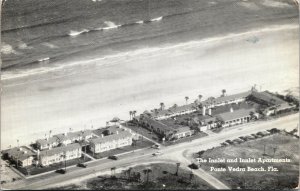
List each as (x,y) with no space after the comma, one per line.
(160,176)
(32,170)
(139,144)
(278,146)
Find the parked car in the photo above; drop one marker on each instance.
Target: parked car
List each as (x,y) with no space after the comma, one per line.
(113,157)
(229,142)
(82,165)
(193,166)
(61,171)
(155,146)
(157,153)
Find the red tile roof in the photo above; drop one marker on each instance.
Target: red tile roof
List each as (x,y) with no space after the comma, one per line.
(228,116)
(122,134)
(58,150)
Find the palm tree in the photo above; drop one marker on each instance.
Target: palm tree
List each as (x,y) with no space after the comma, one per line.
(162,106)
(146,172)
(129,173)
(65,159)
(223,92)
(156,111)
(50,133)
(200,97)
(133,113)
(112,170)
(251,114)
(177,167)
(130,114)
(191,176)
(186,99)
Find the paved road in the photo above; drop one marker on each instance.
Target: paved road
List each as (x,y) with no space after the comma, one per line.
(173,152)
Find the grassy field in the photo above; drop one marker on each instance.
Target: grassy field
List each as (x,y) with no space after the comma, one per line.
(38,170)
(160,176)
(277,146)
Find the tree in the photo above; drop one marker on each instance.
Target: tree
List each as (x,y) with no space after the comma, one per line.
(130,114)
(186,99)
(146,172)
(196,102)
(175,106)
(200,97)
(50,133)
(162,106)
(129,173)
(191,176)
(133,113)
(115,120)
(177,167)
(156,111)
(113,170)
(65,159)
(251,114)
(223,92)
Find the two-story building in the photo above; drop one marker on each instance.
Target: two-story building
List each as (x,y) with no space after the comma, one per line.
(105,143)
(21,156)
(47,143)
(59,154)
(226,100)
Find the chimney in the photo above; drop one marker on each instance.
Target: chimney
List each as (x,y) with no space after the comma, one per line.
(203,110)
(209,111)
(231,109)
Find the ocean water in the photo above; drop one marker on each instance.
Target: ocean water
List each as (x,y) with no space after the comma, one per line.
(36,32)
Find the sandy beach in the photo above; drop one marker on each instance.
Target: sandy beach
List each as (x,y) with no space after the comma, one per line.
(88,95)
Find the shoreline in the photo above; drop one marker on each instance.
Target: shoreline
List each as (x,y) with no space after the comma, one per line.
(13,73)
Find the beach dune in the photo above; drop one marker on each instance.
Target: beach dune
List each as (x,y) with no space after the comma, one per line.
(86,96)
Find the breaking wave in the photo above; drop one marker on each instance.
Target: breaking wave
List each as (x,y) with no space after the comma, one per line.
(75,33)
(112,25)
(44,59)
(156,19)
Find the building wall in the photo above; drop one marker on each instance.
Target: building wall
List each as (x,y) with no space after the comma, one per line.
(236,101)
(175,114)
(56,158)
(42,147)
(236,121)
(183,134)
(98,148)
(26,162)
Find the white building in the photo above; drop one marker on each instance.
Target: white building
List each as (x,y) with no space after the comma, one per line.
(236,117)
(59,154)
(105,143)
